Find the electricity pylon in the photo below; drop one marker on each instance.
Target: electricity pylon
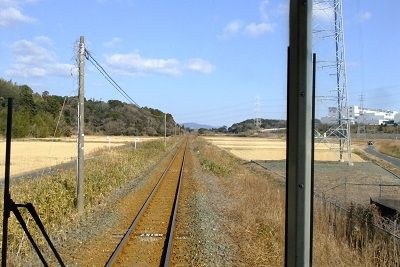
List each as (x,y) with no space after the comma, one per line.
(333,27)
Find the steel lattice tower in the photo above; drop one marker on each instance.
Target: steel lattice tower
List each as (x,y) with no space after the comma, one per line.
(340,130)
(257,108)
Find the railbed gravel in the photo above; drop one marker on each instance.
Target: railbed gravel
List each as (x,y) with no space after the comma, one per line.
(201,236)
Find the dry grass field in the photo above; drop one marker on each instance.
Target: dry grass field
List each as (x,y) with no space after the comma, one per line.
(249,148)
(250,205)
(107,180)
(336,181)
(389,147)
(33,154)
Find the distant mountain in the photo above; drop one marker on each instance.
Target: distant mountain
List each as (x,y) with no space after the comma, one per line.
(193,125)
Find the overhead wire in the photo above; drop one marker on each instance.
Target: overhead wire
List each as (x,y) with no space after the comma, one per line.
(242,114)
(114,84)
(234,107)
(224,111)
(89,56)
(108,77)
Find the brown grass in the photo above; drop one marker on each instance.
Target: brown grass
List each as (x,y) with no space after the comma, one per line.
(32,154)
(254,217)
(356,230)
(389,147)
(54,195)
(253,213)
(250,148)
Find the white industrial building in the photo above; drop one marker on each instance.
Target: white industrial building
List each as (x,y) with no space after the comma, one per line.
(369,116)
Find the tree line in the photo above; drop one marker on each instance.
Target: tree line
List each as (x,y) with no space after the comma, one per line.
(246,127)
(45,115)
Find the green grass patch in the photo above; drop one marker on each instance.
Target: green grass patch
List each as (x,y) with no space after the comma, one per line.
(215,167)
(215,160)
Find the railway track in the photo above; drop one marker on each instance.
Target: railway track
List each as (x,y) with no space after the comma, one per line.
(149,238)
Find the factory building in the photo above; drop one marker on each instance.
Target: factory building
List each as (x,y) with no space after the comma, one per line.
(368,116)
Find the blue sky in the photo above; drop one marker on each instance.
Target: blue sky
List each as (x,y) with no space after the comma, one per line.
(204,61)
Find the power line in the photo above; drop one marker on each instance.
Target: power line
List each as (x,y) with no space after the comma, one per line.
(107,76)
(114,84)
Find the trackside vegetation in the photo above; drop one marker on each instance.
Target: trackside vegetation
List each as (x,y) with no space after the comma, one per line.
(44,115)
(253,213)
(54,195)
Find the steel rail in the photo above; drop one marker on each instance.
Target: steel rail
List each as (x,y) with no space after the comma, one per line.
(171,228)
(132,226)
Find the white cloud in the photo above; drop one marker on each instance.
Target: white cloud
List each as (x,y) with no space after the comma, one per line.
(113,42)
(200,65)
(323,11)
(255,29)
(258,29)
(12,15)
(364,16)
(11,12)
(43,40)
(264,9)
(16,2)
(231,29)
(36,59)
(135,64)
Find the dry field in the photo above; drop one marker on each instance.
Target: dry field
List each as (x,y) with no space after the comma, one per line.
(249,148)
(33,154)
(389,147)
(246,211)
(338,182)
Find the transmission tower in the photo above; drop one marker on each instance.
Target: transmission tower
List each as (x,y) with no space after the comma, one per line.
(340,130)
(257,108)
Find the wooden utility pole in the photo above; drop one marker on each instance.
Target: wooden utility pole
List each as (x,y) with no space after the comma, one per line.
(81,127)
(165,130)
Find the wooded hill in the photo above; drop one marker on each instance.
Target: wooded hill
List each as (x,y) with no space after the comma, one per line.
(248,125)
(36,115)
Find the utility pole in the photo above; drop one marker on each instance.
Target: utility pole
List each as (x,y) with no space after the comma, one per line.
(257,120)
(81,125)
(165,130)
(361,129)
(299,130)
